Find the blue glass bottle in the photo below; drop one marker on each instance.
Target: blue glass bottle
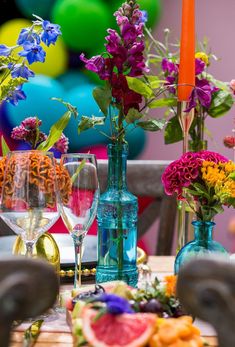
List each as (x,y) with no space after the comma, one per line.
(117,223)
(201,245)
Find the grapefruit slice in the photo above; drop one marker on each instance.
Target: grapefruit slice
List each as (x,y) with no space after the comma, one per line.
(129,330)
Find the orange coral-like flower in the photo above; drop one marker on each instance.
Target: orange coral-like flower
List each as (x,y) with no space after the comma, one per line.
(170,282)
(39,171)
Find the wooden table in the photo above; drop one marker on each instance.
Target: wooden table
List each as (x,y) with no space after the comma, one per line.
(160,266)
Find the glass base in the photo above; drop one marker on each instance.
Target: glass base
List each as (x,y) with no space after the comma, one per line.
(130,276)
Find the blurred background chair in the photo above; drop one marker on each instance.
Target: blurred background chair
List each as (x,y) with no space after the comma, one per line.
(144,181)
(206,289)
(23,293)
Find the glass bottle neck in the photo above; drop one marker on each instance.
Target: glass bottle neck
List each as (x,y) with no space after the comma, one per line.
(117,154)
(203,230)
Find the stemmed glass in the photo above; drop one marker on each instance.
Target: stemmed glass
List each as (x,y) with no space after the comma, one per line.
(79,209)
(29,195)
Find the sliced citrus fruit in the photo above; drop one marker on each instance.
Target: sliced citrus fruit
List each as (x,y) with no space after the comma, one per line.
(129,330)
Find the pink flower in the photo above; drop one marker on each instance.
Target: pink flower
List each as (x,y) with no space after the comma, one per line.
(19,133)
(183,172)
(62,145)
(31,123)
(229,141)
(232,85)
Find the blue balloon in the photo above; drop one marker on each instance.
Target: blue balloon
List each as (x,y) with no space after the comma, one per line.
(82,98)
(39,90)
(136,139)
(73,79)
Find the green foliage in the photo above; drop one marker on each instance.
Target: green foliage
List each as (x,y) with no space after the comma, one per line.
(152,124)
(133,115)
(5,148)
(222,101)
(139,86)
(55,132)
(164,102)
(103,97)
(10,86)
(173,131)
(89,122)
(71,108)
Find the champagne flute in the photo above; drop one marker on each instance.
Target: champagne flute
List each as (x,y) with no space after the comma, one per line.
(29,195)
(79,209)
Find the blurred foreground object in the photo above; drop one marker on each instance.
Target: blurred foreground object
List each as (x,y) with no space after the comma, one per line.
(206,289)
(23,293)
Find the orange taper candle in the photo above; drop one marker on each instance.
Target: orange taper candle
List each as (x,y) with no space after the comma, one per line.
(187,51)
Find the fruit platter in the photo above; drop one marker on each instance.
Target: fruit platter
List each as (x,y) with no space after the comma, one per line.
(116,315)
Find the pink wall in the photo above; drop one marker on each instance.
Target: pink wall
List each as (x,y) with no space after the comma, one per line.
(215,20)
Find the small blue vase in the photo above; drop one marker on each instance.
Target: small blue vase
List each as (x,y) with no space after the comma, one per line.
(117,223)
(201,245)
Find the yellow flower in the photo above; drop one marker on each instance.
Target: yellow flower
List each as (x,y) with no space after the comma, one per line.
(212,173)
(203,56)
(170,282)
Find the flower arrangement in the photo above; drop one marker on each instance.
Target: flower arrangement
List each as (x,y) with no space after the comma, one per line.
(210,97)
(122,99)
(207,177)
(142,316)
(14,60)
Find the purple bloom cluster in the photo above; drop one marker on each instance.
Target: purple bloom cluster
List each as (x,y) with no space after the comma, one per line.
(115,304)
(185,171)
(28,131)
(30,40)
(202,93)
(124,56)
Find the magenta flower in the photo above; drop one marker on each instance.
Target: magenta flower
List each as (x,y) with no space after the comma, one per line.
(199,66)
(62,145)
(185,171)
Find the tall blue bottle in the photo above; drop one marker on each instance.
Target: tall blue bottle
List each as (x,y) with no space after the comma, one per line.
(117,223)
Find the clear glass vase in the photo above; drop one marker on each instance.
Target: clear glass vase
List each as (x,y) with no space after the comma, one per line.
(117,223)
(201,245)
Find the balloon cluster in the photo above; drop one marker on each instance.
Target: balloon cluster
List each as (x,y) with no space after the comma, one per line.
(83,26)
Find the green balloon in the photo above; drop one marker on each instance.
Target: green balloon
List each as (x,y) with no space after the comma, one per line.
(41,8)
(153,7)
(83,23)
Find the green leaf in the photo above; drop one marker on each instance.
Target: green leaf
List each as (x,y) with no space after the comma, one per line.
(103,97)
(133,115)
(173,131)
(164,102)
(5,148)
(71,108)
(79,169)
(222,101)
(55,132)
(89,122)
(154,81)
(232,176)
(139,87)
(152,124)
(217,83)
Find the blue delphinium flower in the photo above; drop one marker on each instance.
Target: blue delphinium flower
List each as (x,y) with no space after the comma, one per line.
(115,304)
(28,35)
(5,50)
(33,52)
(16,95)
(21,70)
(50,32)
(144,17)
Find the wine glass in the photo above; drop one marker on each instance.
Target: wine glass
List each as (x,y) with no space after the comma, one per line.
(29,195)
(78,208)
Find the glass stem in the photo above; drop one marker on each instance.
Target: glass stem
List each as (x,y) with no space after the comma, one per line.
(78,242)
(29,249)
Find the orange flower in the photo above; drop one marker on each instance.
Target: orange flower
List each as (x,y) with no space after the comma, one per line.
(170,282)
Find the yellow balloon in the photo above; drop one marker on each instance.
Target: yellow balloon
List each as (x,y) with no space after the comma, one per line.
(56,55)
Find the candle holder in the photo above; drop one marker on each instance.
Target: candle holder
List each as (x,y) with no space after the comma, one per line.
(185,120)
